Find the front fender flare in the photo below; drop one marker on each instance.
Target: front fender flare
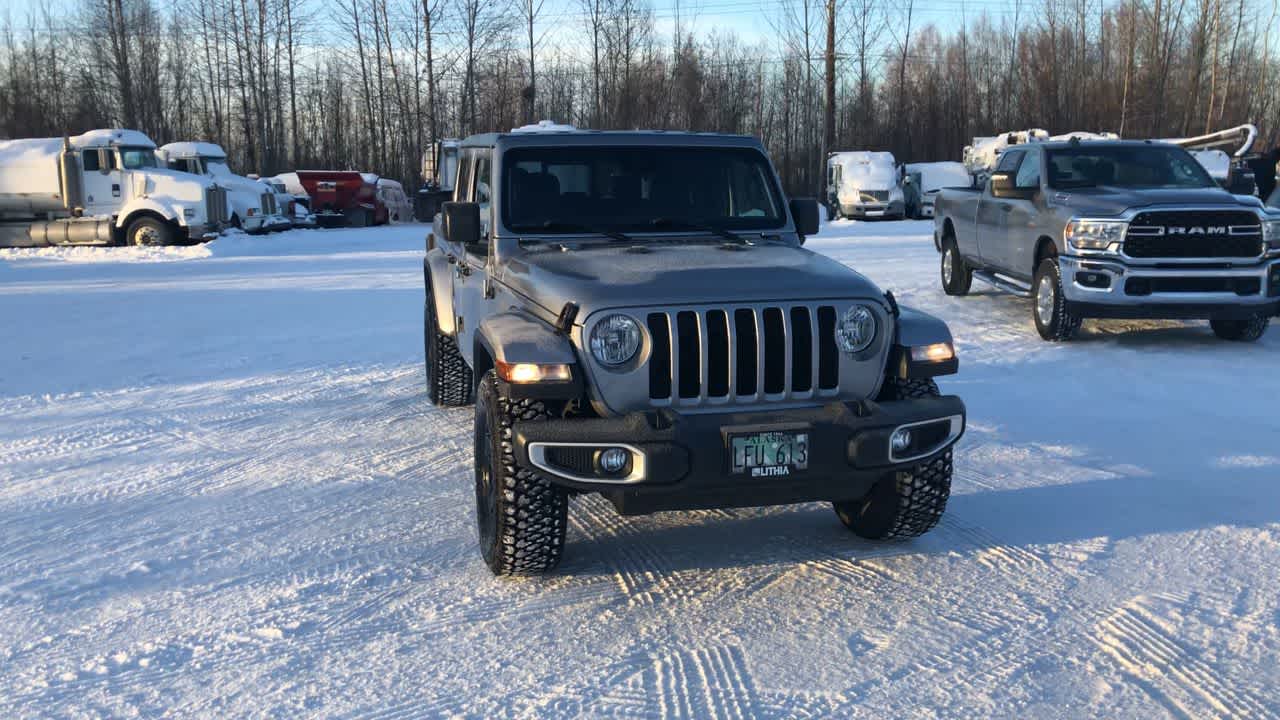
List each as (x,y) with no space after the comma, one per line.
(436,272)
(915,329)
(518,337)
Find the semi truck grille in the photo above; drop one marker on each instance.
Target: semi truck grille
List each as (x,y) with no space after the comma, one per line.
(762,353)
(215,203)
(1197,234)
(268,204)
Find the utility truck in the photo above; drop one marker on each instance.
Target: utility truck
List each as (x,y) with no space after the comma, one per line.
(864,184)
(251,206)
(101,188)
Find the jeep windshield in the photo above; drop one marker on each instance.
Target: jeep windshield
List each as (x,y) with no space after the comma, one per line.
(563,190)
(1125,166)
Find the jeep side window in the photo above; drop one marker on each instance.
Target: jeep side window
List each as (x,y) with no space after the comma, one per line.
(462,190)
(1029,172)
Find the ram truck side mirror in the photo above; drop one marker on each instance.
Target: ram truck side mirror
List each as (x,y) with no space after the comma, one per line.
(1003,185)
(805,212)
(460,222)
(1241,183)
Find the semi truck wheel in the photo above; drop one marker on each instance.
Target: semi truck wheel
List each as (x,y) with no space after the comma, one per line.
(520,515)
(148,231)
(957,276)
(1055,320)
(903,504)
(448,377)
(1246,329)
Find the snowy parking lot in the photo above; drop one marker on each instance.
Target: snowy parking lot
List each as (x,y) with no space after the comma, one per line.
(224,494)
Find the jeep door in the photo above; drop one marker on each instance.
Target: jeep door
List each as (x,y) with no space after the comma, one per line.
(993,215)
(470,272)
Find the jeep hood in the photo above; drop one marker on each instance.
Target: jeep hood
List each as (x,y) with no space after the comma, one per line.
(1105,200)
(617,276)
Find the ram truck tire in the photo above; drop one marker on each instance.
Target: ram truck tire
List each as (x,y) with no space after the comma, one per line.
(1056,321)
(520,515)
(1246,329)
(903,504)
(957,276)
(449,379)
(148,231)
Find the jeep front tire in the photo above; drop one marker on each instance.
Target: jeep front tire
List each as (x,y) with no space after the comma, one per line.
(520,515)
(449,380)
(903,504)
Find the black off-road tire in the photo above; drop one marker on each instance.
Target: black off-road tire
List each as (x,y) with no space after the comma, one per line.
(520,515)
(903,504)
(1245,329)
(1056,320)
(957,277)
(449,380)
(149,232)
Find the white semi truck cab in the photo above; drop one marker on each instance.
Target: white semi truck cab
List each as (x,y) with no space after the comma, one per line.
(251,206)
(101,188)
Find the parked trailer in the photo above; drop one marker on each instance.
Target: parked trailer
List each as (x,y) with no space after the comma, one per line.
(251,207)
(101,188)
(343,197)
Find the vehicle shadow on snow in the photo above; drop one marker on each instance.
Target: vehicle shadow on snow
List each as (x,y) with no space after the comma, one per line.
(1114,508)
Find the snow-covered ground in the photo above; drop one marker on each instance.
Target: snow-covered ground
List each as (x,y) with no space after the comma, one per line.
(223,494)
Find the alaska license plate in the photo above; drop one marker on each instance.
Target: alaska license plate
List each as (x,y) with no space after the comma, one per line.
(771,453)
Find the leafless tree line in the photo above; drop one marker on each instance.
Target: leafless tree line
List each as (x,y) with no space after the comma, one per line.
(368,84)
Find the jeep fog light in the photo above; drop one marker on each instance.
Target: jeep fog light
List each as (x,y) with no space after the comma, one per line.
(856,330)
(613,460)
(900,440)
(615,340)
(526,373)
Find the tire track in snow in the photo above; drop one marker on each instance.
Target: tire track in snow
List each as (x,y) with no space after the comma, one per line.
(1173,674)
(644,574)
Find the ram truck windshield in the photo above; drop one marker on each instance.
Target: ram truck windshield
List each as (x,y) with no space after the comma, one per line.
(1125,166)
(624,189)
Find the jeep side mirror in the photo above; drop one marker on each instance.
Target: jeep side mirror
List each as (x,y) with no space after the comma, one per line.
(805,213)
(460,223)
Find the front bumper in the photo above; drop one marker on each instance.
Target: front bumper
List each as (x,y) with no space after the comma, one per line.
(1110,287)
(873,210)
(201,233)
(681,462)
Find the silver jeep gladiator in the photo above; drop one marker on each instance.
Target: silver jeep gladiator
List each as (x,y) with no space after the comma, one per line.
(634,315)
(1113,229)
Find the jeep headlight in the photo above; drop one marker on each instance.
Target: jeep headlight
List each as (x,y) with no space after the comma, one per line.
(1271,233)
(615,340)
(856,329)
(1095,234)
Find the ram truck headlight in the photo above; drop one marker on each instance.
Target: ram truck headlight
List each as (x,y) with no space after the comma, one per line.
(1105,235)
(615,340)
(1271,234)
(856,329)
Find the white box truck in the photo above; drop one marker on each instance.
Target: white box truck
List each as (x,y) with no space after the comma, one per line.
(101,188)
(252,207)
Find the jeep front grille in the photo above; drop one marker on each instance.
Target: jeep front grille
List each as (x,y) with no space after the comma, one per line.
(757,353)
(1194,234)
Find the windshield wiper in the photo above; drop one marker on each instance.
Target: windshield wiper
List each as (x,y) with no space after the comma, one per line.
(564,226)
(693,225)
